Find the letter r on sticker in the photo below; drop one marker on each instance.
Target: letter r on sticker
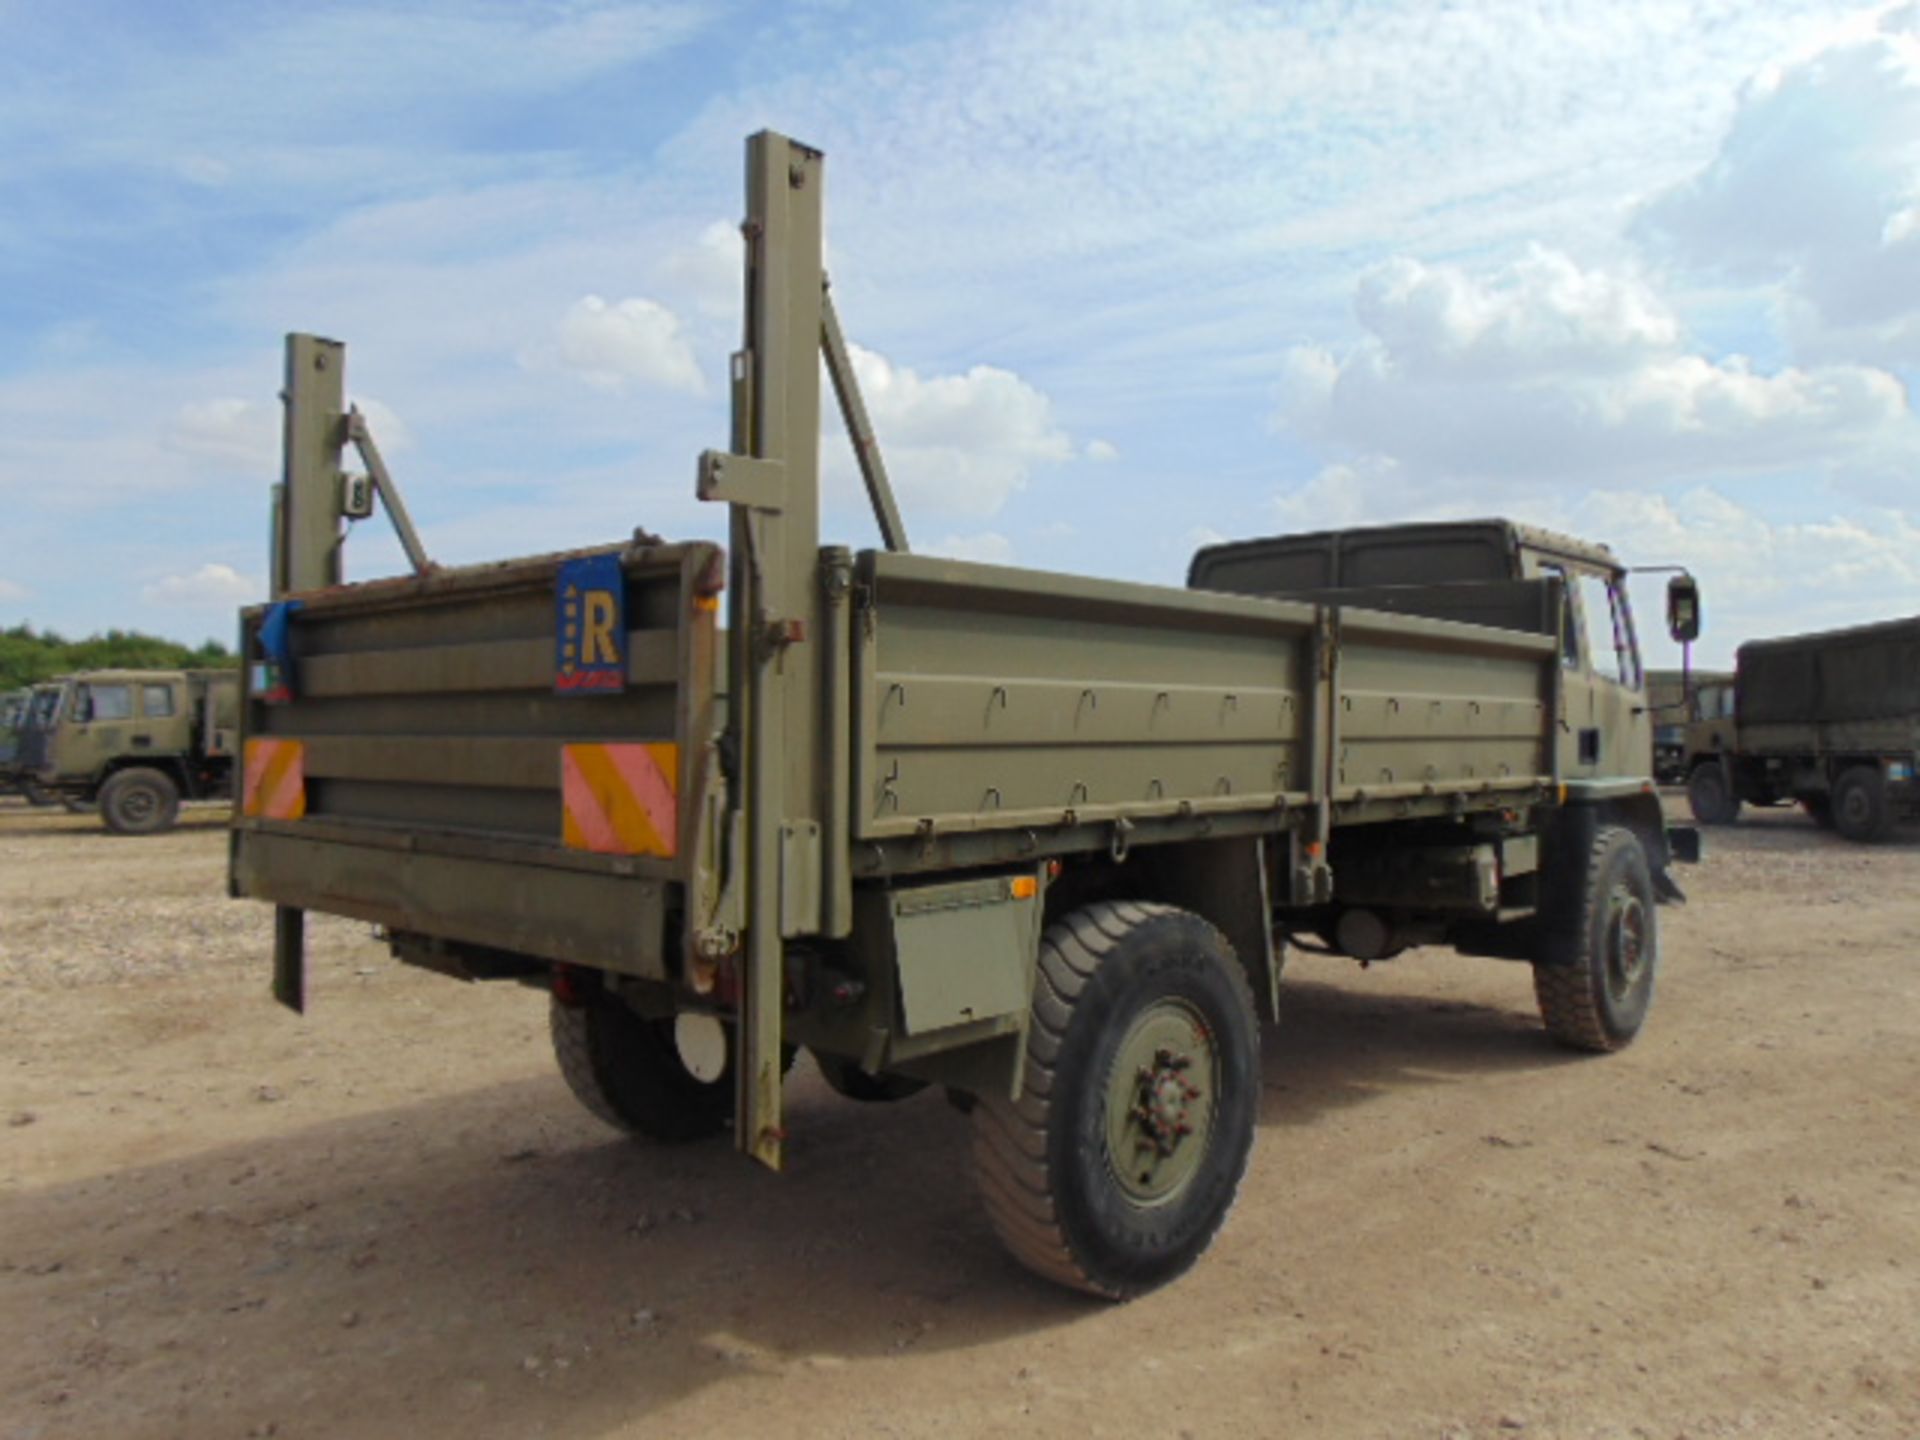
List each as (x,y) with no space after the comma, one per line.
(597,644)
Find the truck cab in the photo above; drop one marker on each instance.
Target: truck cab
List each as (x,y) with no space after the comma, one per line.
(1440,570)
(134,742)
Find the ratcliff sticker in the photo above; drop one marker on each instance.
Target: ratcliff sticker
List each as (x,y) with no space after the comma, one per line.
(590,627)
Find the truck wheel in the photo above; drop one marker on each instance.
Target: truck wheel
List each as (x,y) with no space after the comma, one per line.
(1117,1165)
(1709,798)
(848,1079)
(1594,977)
(1860,809)
(627,1070)
(140,801)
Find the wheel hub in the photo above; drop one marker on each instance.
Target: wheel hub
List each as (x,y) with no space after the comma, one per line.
(1164,1094)
(1626,941)
(1160,1102)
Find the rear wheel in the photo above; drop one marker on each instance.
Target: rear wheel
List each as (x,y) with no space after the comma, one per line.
(140,801)
(1860,808)
(1114,1170)
(1712,802)
(626,1069)
(1595,974)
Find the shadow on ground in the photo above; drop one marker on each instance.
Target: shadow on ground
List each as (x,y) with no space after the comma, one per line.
(494,1253)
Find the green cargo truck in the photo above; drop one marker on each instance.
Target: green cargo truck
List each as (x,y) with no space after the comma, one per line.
(13,719)
(134,743)
(1830,721)
(1038,839)
(1674,700)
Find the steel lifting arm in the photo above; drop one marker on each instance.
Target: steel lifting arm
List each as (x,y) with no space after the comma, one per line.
(866,448)
(389,493)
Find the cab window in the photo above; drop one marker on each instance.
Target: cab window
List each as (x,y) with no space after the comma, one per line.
(156,701)
(103,702)
(1569,623)
(1609,632)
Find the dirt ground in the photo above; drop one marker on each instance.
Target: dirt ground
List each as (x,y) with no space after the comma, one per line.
(390,1219)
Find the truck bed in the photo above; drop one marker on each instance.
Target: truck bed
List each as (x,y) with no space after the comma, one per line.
(994,699)
(984,714)
(433,743)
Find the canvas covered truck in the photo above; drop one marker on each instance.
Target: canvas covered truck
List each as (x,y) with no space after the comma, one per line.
(1033,838)
(134,743)
(1830,721)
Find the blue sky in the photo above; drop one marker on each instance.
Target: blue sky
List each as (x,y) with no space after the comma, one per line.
(1124,277)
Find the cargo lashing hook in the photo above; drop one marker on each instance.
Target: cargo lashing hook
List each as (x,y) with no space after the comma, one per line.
(1122,842)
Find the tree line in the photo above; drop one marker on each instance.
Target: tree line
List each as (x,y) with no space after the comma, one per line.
(28,655)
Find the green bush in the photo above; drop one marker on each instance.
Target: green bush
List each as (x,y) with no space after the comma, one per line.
(27,655)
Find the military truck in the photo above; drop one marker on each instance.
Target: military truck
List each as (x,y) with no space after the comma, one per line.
(1830,721)
(13,719)
(1041,840)
(134,743)
(1673,702)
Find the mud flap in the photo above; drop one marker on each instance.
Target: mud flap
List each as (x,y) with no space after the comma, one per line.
(290,958)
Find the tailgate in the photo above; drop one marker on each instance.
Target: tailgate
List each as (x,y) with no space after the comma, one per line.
(432,771)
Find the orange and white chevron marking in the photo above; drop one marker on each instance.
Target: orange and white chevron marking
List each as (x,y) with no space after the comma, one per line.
(621,799)
(274,780)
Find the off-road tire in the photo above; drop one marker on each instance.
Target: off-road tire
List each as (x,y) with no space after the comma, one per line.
(626,1069)
(1861,811)
(845,1078)
(1045,1165)
(1594,977)
(139,801)
(1819,809)
(1709,797)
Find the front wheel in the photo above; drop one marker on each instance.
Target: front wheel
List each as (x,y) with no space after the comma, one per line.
(1594,975)
(1709,797)
(1116,1167)
(140,801)
(1861,811)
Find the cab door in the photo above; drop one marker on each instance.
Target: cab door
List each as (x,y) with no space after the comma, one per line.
(1578,727)
(1616,742)
(162,718)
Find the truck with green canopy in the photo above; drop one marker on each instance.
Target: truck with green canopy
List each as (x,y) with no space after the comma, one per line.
(1040,840)
(1829,721)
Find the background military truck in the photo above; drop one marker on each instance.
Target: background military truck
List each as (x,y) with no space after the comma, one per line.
(1830,720)
(1037,839)
(1673,704)
(134,742)
(13,719)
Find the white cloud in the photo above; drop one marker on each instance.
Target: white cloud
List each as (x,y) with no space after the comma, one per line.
(1541,314)
(1814,189)
(238,434)
(211,585)
(12,590)
(1101,451)
(1541,369)
(610,345)
(709,270)
(960,444)
(988,548)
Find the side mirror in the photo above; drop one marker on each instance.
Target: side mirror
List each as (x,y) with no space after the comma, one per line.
(1683,609)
